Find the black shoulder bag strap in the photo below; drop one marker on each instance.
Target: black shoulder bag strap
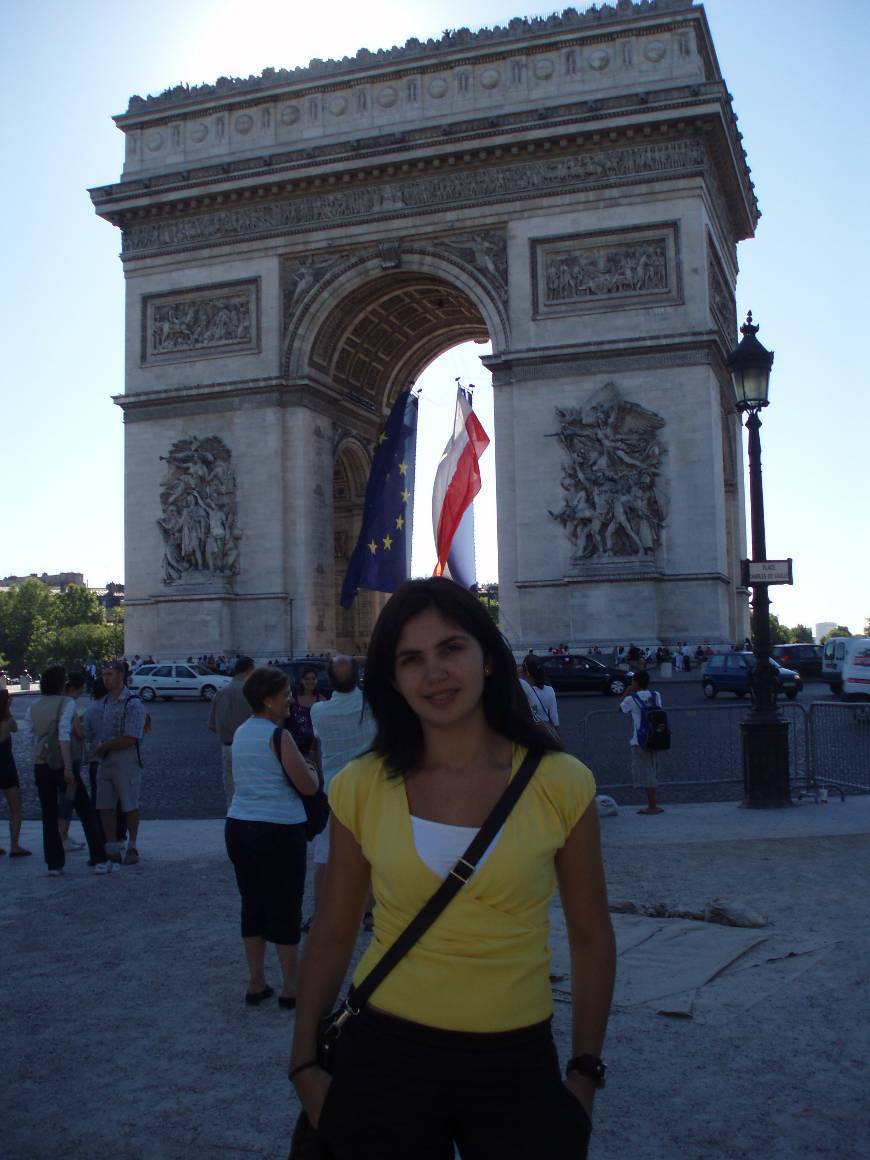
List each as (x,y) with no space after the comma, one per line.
(446,892)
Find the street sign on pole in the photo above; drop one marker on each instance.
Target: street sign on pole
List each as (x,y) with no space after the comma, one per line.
(766,572)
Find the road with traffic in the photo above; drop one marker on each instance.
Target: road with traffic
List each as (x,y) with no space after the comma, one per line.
(182,768)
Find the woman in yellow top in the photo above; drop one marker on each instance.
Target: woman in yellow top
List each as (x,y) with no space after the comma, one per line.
(455,1047)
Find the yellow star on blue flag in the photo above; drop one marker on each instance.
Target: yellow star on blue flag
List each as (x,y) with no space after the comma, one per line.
(381,559)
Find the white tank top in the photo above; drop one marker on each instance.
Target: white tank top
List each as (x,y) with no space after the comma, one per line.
(440,846)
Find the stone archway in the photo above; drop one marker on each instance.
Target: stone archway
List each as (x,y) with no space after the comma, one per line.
(365,335)
(298,245)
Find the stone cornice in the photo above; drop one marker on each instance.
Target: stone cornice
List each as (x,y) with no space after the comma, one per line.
(452,47)
(676,350)
(649,577)
(245,394)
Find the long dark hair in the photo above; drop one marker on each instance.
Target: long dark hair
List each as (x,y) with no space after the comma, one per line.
(399,737)
(5,704)
(534,670)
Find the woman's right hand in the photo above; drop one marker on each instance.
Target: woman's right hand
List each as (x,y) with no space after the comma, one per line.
(312,1086)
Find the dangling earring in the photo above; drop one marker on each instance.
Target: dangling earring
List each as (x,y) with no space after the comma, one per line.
(487,671)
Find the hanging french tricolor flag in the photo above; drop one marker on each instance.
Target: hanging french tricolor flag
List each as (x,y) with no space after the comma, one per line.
(457,480)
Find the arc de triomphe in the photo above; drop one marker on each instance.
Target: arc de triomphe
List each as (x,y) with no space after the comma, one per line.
(298,245)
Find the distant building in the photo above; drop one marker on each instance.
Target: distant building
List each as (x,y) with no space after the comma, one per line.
(111,596)
(61,580)
(824,627)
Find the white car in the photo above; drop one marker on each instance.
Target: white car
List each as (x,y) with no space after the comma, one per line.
(168,681)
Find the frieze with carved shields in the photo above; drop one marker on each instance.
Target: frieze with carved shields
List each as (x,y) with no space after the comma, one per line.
(612,493)
(198,504)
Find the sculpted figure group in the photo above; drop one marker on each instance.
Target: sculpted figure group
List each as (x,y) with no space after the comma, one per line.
(198,501)
(611,503)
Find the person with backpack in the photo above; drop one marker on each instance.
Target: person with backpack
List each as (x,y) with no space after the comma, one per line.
(650,735)
(119,729)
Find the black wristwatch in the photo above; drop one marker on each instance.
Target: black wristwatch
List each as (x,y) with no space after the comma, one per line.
(589,1065)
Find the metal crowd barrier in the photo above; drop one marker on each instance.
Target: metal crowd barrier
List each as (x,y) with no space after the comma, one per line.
(840,744)
(706,745)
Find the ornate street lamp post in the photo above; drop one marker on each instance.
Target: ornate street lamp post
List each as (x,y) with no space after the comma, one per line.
(765,731)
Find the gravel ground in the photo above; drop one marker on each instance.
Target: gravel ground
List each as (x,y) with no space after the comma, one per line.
(126,1033)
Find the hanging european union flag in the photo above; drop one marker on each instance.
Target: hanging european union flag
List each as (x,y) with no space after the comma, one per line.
(381,559)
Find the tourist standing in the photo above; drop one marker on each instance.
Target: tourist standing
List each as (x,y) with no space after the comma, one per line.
(9,782)
(70,731)
(120,728)
(644,762)
(456,1047)
(229,708)
(344,728)
(298,721)
(265,834)
(541,696)
(51,721)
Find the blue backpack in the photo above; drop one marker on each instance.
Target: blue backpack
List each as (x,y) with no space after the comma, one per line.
(653,732)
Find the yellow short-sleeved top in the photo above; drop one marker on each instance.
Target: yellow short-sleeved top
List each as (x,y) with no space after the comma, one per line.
(484,964)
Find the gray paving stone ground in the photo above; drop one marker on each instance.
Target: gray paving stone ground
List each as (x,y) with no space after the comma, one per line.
(125,1034)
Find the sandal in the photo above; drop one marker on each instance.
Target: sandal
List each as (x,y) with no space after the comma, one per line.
(255,998)
(22,853)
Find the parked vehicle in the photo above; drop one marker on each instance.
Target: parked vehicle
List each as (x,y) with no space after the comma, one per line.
(572,673)
(175,680)
(846,665)
(836,649)
(805,659)
(732,673)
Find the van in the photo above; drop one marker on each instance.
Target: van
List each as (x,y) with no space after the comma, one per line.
(856,668)
(847,659)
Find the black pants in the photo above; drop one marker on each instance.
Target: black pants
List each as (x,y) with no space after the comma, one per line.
(269,860)
(401,1090)
(51,787)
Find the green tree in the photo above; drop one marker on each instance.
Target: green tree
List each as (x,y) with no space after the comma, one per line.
(487,594)
(80,642)
(779,634)
(27,617)
(840,630)
(800,634)
(79,606)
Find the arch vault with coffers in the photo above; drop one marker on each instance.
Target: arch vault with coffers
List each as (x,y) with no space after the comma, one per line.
(300,245)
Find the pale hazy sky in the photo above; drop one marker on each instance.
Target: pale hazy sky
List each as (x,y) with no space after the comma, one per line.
(797,74)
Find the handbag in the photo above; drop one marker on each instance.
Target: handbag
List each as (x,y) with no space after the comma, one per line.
(547,725)
(307,1144)
(316,804)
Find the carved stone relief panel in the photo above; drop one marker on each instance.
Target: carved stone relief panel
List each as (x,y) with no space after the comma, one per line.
(202,322)
(599,271)
(486,251)
(198,504)
(722,304)
(613,503)
(301,275)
